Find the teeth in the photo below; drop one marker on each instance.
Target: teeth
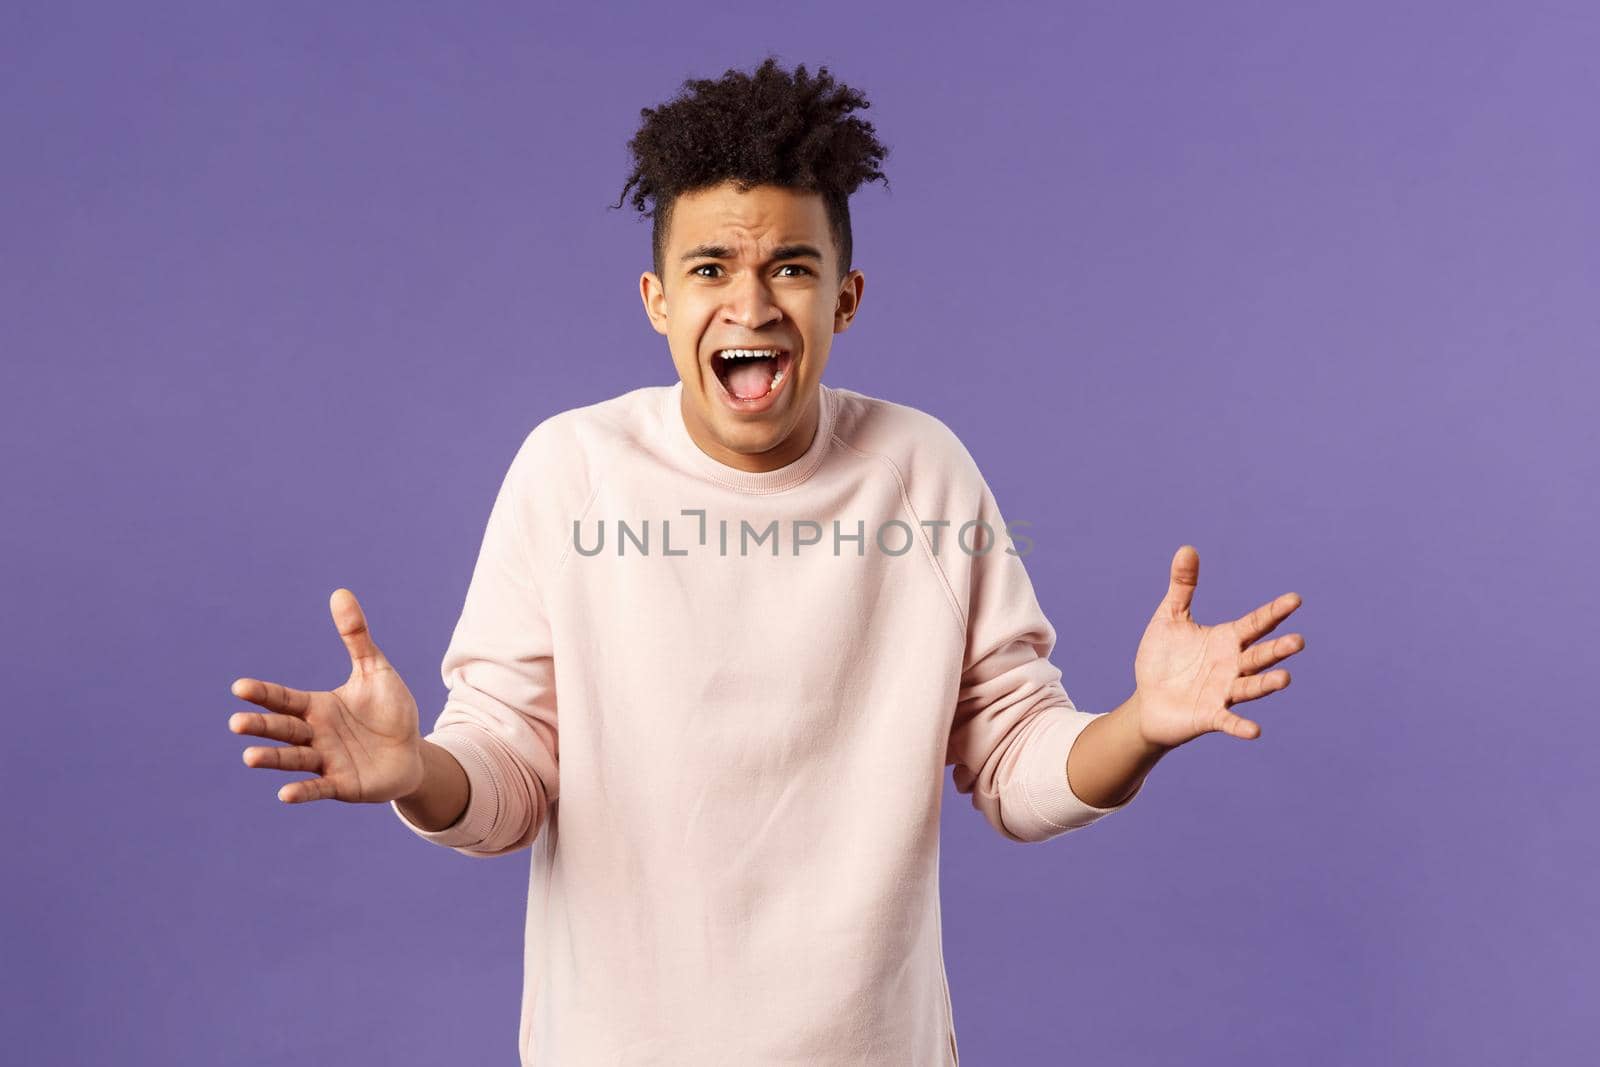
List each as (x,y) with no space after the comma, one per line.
(748,353)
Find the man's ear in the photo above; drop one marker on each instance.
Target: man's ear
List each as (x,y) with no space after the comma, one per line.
(849,302)
(654,296)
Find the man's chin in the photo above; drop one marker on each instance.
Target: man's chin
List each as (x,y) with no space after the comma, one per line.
(746,437)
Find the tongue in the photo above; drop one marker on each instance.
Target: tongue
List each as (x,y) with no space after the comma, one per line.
(750,379)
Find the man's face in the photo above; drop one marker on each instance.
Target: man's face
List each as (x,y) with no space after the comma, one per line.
(753,270)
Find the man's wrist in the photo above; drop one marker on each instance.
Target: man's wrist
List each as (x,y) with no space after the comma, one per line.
(1130,718)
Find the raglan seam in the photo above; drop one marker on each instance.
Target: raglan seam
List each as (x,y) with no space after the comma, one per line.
(524,545)
(905,500)
(566,552)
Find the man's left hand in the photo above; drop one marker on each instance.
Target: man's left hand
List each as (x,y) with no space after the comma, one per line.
(1187,675)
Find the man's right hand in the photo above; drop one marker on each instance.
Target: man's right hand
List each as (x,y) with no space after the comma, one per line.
(362,738)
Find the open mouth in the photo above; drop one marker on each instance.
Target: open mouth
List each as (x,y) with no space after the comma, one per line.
(751,374)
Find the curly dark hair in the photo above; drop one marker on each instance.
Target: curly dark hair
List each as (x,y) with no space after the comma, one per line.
(766,128)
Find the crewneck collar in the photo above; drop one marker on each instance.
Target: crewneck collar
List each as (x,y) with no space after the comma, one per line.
(785,477)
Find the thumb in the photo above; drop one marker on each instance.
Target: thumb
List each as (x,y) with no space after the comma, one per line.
(1180,588)
(352,624)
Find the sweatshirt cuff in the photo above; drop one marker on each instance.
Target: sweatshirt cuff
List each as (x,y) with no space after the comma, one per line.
(1053,808)
(483,801)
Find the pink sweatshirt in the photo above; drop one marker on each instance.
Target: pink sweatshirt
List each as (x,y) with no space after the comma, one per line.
(719,704)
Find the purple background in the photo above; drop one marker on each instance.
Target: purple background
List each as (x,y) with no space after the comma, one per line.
(283,288)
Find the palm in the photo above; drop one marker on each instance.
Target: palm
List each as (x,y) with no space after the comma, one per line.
(361,739)
(362,731)
(1189,676)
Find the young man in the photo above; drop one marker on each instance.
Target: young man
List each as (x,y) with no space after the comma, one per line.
(723,637)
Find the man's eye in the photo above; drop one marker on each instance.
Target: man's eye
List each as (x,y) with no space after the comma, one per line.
(713,266)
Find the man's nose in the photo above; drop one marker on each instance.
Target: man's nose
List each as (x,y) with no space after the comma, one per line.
(750,304)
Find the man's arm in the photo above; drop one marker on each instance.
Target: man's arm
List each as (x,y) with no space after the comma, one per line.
(1109,759)
(1187,677)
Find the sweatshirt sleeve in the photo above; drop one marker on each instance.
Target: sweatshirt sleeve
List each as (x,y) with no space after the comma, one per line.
(1014,723)
(499,718)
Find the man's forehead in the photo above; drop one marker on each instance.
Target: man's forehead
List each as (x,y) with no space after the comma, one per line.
(757,221)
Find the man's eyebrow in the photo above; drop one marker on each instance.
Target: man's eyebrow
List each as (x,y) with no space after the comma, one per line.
(796,251)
